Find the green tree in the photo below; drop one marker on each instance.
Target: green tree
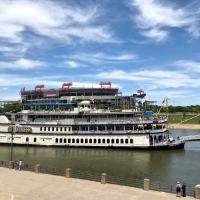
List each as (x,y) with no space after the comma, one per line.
(116,107)
(100,106)
(184,115)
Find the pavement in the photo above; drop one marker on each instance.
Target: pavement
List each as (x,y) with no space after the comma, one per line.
(24,185)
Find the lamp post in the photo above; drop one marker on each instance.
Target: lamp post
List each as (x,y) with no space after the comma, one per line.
(13,131)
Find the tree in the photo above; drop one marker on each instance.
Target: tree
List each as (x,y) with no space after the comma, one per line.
(100,106)
(184,115)
(116,107)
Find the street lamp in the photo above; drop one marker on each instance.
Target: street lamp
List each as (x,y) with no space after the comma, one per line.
(13,131)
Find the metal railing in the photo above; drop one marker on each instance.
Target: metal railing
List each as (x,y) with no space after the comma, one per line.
(190,138)
(86,176)
(130,182)
(106,121)
(125,181)
(52,171)
(169,188)
(4,164)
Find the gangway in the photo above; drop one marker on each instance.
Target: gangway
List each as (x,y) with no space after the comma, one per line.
(190,138)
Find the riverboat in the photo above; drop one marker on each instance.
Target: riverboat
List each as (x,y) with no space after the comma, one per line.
(87,127)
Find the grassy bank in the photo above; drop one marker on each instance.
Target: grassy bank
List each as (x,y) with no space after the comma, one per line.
(176,118)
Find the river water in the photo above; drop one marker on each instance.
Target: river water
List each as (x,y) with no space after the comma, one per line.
(167,166)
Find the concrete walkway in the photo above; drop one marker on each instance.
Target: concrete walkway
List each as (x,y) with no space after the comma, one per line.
(24,185)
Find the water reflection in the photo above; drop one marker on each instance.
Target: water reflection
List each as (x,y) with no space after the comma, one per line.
(163,166)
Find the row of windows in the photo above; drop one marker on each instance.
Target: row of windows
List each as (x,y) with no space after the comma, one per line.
(34,139)
(94,141)
(54,129)
(85,128)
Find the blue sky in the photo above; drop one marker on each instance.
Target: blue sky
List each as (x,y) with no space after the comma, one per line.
(152,45)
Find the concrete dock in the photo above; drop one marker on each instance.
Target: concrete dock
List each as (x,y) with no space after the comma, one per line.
(23,185)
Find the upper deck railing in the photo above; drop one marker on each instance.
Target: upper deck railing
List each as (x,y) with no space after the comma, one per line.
(93,121)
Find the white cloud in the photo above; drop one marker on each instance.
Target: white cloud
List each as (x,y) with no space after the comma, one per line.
(187,65)
(57,20)
(72,64)
(104,58)
(157,34)
(21,63)
(153,79)
(155,16)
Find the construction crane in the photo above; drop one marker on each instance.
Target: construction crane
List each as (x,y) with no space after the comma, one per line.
(161,106)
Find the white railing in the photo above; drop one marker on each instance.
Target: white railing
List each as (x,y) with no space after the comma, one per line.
(97,122)
(190,138)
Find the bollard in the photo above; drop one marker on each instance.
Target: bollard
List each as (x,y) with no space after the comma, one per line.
(37,168)
(68,173)
(197,191)
(103,178)
(146,184)
(11,165)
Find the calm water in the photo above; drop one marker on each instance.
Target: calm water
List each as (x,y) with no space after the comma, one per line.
(164,166)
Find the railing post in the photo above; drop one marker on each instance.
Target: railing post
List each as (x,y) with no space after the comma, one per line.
(37,168)
(103,178)
(197,191)
(68,173)
(11,165)
(146,184)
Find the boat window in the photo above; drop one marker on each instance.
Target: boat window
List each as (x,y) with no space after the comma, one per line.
(65,129)
(90,140)
(56,128)
(40,128)
(104,141)
(69,129)
(99,141)
(117,141)
(95,141)
(122,141)
(48,128)
(108,141)
(77,140)
(44,128)
(52,128)
(113,141)
(65,140)
(131,141)
(69,140)
(56,140)
(86,140)
(81,140)
(73,140)
(35,139)
(27,139)
(60,140)
(61,129)
(126,141)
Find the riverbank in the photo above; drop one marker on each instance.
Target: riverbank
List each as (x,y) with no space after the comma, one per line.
(175,118)
(23,185)
(184,126)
